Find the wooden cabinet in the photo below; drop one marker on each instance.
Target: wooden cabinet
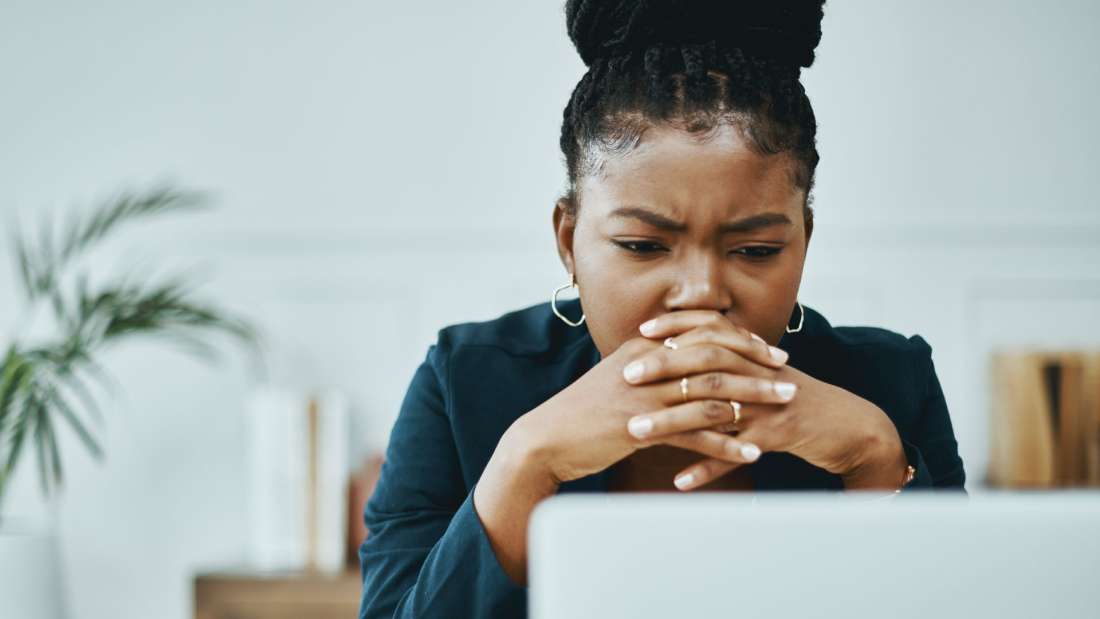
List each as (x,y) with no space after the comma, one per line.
(243,594)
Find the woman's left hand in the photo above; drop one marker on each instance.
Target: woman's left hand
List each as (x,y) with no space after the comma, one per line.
(823,424)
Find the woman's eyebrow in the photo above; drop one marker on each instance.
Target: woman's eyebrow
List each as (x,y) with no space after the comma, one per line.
(737,226)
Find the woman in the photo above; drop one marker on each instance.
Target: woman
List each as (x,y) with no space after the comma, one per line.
(687,363)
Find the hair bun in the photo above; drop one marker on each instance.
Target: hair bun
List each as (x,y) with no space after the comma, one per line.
(786,31)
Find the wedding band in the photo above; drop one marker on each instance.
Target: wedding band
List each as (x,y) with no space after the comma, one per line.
(736,411)
(670,344)
(684,388)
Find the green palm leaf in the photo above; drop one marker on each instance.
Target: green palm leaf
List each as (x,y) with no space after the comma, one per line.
(40,383)
(53,396)
(39,269)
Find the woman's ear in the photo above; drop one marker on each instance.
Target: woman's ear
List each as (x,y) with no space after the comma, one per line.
(565,223)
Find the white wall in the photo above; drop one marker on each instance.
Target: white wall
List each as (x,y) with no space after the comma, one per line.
(384,169)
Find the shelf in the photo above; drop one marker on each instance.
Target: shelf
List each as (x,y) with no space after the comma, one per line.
(239,593)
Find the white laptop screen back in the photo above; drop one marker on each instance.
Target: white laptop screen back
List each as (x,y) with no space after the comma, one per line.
(800,555)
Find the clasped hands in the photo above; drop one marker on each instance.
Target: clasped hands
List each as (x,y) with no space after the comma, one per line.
(780,408)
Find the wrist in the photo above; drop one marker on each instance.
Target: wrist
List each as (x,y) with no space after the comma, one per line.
(510,487)
(883,466)
(521,459)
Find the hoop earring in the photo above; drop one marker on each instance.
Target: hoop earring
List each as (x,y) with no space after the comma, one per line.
(801,319)
(554,303)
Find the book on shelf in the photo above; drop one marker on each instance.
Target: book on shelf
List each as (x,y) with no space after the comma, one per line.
(298,472)
(1045,419)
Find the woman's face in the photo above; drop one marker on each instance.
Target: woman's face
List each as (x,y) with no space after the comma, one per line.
(678,224)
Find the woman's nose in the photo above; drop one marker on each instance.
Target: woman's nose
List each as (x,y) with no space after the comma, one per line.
(699,285)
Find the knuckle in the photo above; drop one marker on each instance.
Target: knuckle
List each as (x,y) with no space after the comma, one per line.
(732,449)
(727,428)
(708,469)
(659,423)
(764,389)
(761,350)
(713,410)
(659,362)
(716,444)
(713,382)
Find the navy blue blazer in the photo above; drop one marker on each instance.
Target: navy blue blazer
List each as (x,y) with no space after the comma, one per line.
(427,554)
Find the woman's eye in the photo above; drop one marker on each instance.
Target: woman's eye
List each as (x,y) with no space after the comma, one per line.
(755,252)
(758,251)
(640,247)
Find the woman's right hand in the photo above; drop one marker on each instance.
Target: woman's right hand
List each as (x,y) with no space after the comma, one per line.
(583,428)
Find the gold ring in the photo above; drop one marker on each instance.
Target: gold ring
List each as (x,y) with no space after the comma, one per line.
(736,411)
(684,388)
(670,344)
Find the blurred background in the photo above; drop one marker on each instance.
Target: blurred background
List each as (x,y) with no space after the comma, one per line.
(381,170)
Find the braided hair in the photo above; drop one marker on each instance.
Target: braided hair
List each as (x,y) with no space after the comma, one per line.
(695,65)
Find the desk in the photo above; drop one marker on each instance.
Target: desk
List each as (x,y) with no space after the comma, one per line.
(251,594)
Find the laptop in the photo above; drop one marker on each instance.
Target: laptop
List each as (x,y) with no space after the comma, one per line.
(815,554)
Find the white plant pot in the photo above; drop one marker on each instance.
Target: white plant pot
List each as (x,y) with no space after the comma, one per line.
(31,585)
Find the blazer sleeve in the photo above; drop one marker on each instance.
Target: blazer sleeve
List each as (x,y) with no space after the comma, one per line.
(930,445)
(426,553)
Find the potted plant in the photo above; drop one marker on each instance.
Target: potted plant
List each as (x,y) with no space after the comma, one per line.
(46,380)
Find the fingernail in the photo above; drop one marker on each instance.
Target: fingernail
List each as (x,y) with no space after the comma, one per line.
(640,426)
(750,452)
(757,338)
(633,371)
(684,481)
(785,391)
(778,354)
(648,327)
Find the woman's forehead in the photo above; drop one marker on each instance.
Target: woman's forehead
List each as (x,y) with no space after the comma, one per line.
(686,176)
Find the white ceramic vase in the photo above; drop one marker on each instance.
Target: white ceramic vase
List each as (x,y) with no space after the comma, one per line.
(30,573)
(32,584)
